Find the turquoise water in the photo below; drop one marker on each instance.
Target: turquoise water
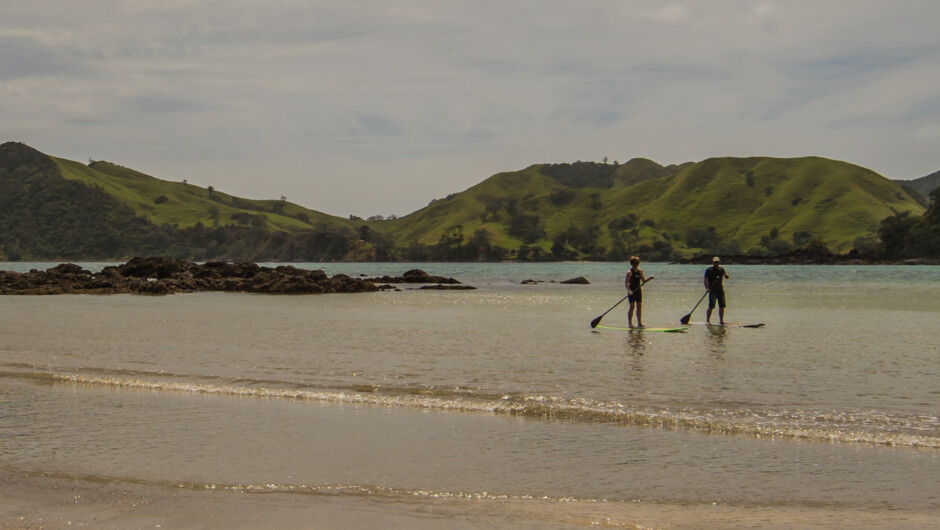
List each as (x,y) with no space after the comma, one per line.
(500,394)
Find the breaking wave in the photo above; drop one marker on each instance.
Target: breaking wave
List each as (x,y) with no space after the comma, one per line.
(866,427)
(871,427)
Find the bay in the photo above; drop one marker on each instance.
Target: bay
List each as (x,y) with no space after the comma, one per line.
(502,397)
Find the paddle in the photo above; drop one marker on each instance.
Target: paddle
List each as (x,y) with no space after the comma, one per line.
(685,319)
(597,320)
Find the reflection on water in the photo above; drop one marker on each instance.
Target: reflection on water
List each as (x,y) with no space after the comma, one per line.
(636,344)
(717,335)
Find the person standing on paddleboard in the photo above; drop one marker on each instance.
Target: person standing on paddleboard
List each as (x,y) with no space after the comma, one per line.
(634,283)
(714,286)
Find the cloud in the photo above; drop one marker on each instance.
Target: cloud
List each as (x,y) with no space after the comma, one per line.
(438,96)
(31,55)
(928,133)
(164,104)
(667,13)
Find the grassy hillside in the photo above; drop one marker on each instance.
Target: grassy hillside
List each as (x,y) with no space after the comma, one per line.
(924,185)
(482,206)
(638,170)
(43,216)
(559,196)
(184,205)
(584,210)
(52,209)
(746,198)
(758,205)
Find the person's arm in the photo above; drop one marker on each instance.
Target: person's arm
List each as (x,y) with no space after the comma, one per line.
(626,282)
(707,285)
(725,272)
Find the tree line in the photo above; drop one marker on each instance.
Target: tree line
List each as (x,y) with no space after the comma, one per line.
(912,236)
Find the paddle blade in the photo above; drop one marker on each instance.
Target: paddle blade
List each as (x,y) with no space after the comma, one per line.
(685,319)
(596,321)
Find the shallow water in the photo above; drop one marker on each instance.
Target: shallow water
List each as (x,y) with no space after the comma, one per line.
(499,393)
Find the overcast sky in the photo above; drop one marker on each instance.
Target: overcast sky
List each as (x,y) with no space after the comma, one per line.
(379,106)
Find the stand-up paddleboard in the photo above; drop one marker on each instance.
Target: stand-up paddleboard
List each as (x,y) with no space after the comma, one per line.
(665,330)
(728,325)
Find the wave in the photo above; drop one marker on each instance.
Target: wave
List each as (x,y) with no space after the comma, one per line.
(406,505)
(872,427)
(319,490)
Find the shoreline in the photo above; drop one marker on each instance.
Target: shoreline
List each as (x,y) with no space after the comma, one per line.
(787,259)
(798,258)
(40,501)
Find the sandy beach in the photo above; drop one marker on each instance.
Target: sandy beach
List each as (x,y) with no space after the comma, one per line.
(45,502)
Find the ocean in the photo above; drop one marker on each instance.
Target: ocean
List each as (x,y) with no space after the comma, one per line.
(498,407)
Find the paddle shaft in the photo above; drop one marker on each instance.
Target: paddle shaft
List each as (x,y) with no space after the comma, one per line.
(597,320)
(685,319)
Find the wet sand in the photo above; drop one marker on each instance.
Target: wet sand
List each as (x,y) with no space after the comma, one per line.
(36,501)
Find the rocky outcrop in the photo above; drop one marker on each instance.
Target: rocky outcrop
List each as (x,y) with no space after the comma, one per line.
(167,276)
(580,280)
(439,287)
(415,276)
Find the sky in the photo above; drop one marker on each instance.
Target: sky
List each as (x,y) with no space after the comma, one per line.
(378,107)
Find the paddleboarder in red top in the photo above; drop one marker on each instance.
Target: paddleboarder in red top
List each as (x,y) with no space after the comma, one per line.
(714,277)
(634,283)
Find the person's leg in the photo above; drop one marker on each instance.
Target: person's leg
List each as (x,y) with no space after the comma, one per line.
(639,314)
(711,306)
(721,307)
(630,314)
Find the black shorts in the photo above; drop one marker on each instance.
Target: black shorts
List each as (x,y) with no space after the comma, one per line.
(637,296)
(716,295)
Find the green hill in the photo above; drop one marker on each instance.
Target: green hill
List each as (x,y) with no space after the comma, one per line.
(745,199)
(184,205)
(924,186)
(736,205)
(52,208)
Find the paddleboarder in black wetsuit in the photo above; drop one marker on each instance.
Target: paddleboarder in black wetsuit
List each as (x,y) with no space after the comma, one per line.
(634,283)
(714,286)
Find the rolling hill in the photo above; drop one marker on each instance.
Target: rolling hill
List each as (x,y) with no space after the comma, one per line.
(53,208)
(182,204)
(731,204)
(924,185)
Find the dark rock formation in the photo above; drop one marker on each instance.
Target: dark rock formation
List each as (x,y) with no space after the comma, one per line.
(159,276)
(414,276)
(580,280)
(440,287)
(166,276)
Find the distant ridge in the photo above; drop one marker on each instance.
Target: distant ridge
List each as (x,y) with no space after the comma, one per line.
(604,176)
(923,185)
(757,205)
(53,208)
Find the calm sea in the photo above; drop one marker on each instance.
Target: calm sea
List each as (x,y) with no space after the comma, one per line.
(503,395)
